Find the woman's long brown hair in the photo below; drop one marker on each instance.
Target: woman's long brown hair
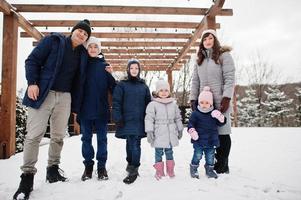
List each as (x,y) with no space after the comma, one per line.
(216,50)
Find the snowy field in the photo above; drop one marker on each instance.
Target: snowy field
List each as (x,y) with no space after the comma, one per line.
(265,163)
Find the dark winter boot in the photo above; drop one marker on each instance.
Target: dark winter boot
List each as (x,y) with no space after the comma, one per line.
(25,187)
(194,171)
(55,174)
(87,173)
(221,166)
(209,171)
(132,176)
(226,167)
(102,174)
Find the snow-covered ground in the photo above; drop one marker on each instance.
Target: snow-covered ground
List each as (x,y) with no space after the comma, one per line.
(265,163)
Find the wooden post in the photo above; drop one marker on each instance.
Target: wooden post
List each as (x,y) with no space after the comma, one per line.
(211,22)
(8,87)
(169,76)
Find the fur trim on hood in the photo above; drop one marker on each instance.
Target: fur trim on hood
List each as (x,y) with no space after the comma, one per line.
(224,49)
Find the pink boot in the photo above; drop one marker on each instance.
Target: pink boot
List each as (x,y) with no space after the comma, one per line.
(170,165)
(159,166)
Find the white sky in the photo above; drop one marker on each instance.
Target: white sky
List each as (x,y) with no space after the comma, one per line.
(270,28)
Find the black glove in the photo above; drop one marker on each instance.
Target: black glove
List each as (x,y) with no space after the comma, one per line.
(192,105)
(120,124)
(225,103)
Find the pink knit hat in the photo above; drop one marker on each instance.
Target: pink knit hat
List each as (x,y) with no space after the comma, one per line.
(206,95)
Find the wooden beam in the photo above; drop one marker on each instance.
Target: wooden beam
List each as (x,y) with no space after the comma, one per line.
(143,62)
(139,44)
(117,9)
(127,35)
(198,32)
(144,44)
(106,23)
(118,68)
(24,23)
(144,51)
(5,7)
(140,57)
(28,27)
(8,86)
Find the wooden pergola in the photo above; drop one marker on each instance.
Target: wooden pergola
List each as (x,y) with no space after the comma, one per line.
(158,51)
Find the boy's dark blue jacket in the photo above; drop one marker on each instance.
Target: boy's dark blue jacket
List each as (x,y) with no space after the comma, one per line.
(97,85)
(43,64)
(130,99)
(206,126)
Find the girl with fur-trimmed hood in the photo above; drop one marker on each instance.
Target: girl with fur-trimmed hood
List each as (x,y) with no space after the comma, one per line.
(215,68)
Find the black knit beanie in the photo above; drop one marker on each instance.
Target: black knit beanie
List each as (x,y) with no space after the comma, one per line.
(85,25)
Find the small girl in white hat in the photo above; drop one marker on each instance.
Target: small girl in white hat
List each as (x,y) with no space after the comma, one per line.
(163,125)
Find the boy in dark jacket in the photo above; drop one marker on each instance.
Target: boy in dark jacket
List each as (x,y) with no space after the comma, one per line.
(130,99)
(202,128)
(94,110)
(53,71)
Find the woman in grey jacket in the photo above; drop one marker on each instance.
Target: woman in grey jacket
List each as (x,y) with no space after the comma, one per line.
(164,127)
(215,68)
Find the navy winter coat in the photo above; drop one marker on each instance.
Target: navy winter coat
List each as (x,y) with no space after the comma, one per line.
(43,64)
(206,126)
(130,99)
(97,85)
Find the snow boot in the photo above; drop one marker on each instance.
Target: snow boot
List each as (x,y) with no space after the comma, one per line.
(55,174)
(25,187)
(87,173)
(194,171)
(221,166)
(209,171)
(170,166)
(159,166)
(102,174)
(132,175)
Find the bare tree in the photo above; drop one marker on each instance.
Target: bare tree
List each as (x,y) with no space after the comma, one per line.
(182,82)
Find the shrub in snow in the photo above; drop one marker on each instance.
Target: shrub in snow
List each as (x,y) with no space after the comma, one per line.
(21,117)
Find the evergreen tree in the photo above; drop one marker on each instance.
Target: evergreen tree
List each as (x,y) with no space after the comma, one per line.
(21,116)
(249,110)
(298,107)
(277,107)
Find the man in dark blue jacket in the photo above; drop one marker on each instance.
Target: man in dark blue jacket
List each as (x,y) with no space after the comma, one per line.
(54,72)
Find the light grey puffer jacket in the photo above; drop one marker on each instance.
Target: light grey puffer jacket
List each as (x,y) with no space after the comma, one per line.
(163,123)
(221,80)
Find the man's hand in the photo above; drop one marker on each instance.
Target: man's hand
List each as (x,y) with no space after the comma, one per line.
(33,92)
